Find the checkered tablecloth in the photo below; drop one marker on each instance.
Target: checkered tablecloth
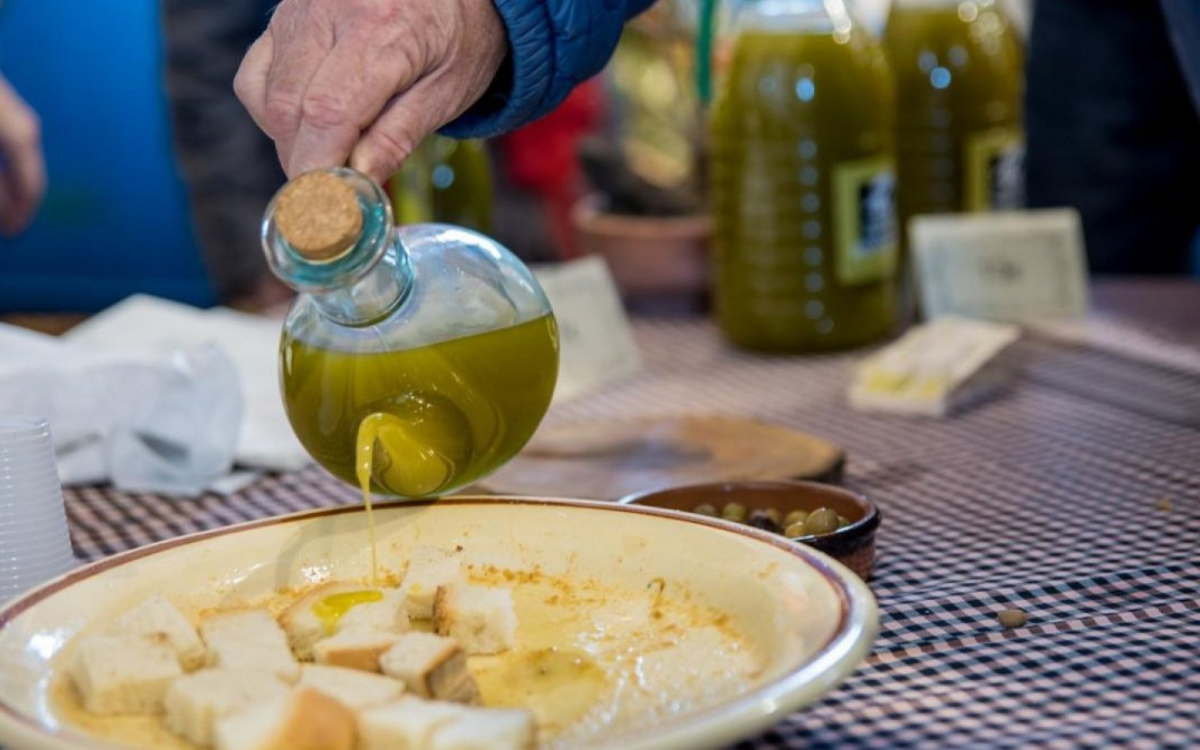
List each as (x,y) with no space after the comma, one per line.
(1046,498)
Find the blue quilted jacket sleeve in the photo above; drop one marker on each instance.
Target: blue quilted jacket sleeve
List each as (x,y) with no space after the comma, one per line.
(554,45)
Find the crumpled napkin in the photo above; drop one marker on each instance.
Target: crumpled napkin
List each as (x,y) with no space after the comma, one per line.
(155,396)
(168,425)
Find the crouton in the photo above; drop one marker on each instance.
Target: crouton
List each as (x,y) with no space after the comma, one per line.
(431,666)
(481,619)
(486,729)
(388,615)
(304,720)
(124,674)
(248,640)
(428,569)
(157,615)
(353,688)
(405,724)
(303,626)
(354,649)
(195,702)
(346,606)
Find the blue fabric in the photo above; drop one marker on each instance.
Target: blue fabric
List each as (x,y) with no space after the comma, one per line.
(115,219)
(554,45)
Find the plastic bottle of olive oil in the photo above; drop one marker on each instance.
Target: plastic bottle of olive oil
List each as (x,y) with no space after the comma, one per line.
(959,72)
(802,173)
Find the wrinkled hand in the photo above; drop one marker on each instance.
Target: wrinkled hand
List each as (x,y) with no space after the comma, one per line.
(22,169)
(364,81)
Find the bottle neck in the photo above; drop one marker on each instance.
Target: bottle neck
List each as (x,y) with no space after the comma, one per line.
(373,296)
(360,286)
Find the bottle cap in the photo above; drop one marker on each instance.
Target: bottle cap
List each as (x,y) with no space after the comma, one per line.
(318,215)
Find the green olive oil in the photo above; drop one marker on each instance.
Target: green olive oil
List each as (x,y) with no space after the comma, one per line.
(437,417)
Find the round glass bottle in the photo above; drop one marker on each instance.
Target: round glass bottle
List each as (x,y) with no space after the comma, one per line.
(802,175)
(428,351)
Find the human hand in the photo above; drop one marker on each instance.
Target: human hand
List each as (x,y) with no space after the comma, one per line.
(365,81)
(22,169)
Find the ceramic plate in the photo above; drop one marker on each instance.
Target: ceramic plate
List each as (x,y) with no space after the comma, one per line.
(810,619)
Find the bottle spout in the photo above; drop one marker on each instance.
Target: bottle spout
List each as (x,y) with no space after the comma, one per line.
(329,234)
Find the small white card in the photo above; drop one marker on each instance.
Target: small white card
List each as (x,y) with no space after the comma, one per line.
(597,345)
(1015,266)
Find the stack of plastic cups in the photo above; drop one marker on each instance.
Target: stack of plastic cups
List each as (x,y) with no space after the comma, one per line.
(34,543)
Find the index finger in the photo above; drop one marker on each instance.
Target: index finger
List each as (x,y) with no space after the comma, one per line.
(346,95)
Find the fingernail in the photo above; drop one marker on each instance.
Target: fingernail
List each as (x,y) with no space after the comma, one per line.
(362,160)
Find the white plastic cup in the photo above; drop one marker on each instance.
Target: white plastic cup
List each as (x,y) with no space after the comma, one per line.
(35,480)
(34,543)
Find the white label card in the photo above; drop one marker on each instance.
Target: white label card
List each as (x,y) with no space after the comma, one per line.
(597,345)
(1015,266)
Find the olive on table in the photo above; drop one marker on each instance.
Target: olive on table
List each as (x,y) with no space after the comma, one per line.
(705,509)
(821,521)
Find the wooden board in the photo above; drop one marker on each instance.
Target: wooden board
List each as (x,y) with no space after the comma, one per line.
(608,460)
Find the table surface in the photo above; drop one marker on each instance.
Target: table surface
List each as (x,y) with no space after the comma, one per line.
(1045,499)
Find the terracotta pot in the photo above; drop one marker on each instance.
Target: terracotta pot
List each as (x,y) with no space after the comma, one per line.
(648,256)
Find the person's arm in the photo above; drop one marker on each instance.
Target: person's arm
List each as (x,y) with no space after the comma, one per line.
(365,81)
(554,45)
(22,169)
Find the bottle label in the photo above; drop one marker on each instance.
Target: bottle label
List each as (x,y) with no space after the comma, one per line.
(993,170)
(864,208)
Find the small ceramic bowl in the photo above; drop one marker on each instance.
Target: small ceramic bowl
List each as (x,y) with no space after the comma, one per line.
(853,545)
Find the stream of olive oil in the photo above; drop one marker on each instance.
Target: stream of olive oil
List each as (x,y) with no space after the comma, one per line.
(368,433)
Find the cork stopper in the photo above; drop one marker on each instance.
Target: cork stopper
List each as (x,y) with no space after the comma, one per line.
(318,215)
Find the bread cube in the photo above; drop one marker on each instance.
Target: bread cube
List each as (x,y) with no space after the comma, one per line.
(304,720)
(354,649)
(353,688)
(429,569)
(406,724)
(388,615)
(480,618)
(157,615)
(249,640)
(431,666)
(301,623)
(486,729)
(195,702)
(124,674)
